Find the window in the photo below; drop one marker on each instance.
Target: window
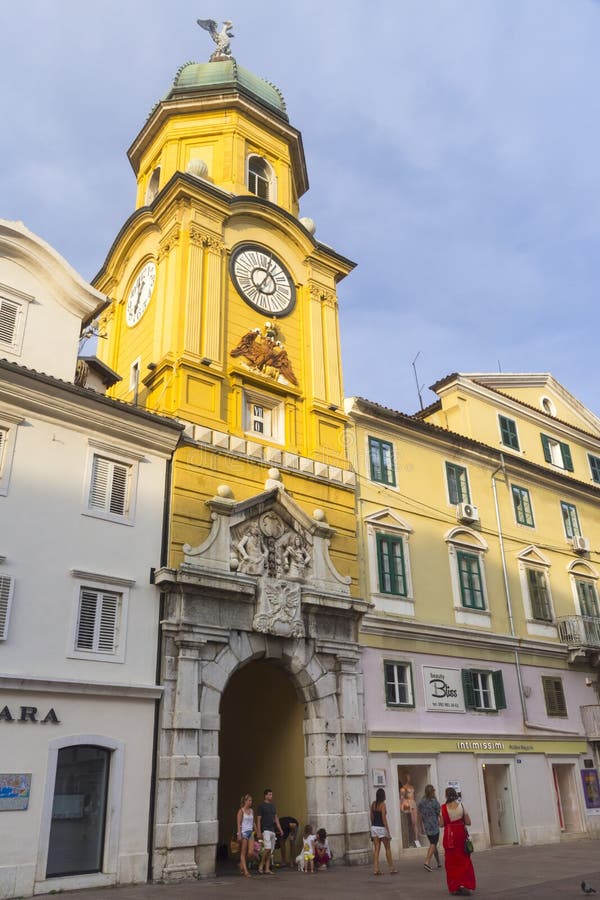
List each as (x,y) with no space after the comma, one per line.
(6,595)
(508,432)
(398,684)
(539,595)
(392,569)
(109,486)
(8,439)
(13,313)
(570,519)
(554,696)
(260,177)
(483,690)
(522,505)
(458,484)
(263,417)
(381,457)
(595,467)
(469,574)
(588,597)
(98,621)
(557,453)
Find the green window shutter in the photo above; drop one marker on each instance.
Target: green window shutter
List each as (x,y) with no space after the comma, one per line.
(387,458)
(594,467)
(390,687)
(391,565)
(546,446)
(381,457)
(468,689)
(588,599)
(538,595)
(554,696)
(374,457)
(458,484)
(566,457)
(508,431)
(499,695)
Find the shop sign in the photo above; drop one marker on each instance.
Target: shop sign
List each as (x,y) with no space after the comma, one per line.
(14,791)
(443,689)
(28,714)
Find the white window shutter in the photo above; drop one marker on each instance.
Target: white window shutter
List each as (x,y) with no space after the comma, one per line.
(9,313)
(86,623)
(119,489)
(109,488)
(6,594)
(97,621)
(3,435)
(107,630)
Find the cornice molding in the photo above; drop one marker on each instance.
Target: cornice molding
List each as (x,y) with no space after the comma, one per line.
(31,683)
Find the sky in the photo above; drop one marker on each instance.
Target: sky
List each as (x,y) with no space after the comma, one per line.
(453,152)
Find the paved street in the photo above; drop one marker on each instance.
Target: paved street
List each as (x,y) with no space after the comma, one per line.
(550,872)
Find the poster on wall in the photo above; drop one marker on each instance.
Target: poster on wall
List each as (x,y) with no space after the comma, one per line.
(14,791)
(591,790)
(443,689)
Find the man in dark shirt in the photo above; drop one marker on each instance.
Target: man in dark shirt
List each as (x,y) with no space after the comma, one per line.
(266,823)
(287,841)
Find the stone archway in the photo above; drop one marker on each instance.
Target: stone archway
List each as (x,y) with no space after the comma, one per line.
(212,617)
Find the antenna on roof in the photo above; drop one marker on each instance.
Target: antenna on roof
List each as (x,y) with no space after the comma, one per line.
(419,388)
(499,366)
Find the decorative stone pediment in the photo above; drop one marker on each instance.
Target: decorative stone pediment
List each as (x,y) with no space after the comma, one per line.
(387,518)
(271,539)
(531,554)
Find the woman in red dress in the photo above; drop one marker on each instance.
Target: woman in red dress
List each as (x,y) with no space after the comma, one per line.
(460,874)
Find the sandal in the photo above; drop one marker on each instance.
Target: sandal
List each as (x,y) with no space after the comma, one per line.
(377,872)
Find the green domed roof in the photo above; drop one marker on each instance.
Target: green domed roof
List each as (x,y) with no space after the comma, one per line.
(194,78)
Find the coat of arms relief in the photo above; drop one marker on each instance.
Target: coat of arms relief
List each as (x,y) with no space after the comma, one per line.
(279,555)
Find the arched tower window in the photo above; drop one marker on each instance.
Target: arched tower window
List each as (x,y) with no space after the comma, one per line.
(261,178)
(152,189)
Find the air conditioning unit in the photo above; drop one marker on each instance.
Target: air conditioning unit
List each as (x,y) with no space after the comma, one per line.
(580,544)
(466,512)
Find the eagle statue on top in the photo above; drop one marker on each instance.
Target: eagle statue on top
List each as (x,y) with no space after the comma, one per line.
(221,38)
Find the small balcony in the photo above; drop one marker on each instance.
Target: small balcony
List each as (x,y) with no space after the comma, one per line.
(590,716)
(581,634)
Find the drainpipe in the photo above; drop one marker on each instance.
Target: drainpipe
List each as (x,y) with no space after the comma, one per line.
(511,622)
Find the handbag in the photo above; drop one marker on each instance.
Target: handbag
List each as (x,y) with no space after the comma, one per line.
(468,843)
(234,846)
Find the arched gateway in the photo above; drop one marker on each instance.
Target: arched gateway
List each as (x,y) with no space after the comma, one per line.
(261,587)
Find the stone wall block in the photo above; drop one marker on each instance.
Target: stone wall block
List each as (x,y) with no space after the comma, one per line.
(258,642)
(326,685)
(323,766)
(180,767)
(214,675)
(353,726)
(182,801)
(228,660)
(240,645)
(209,766)
(209,740)
(354,765)
(160,835)
(299,655)
(207,790)
(208,832)
(319,725)
(211,723)
(274,648)
(185,720)
(182,834)
(314,669)
(210,701)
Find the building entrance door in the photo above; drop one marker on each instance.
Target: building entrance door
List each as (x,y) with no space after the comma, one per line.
(499,802)
(563,775)
(261,745)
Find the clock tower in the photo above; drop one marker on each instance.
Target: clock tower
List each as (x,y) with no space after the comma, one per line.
(224,314)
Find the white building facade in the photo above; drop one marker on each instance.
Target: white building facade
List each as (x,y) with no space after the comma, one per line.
(82,495)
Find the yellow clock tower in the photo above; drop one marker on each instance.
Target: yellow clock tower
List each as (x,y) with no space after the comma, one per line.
(225,315)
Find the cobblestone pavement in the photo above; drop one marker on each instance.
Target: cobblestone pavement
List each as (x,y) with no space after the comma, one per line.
(547,872)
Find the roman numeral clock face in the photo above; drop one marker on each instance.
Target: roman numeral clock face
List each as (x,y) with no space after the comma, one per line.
(262,280)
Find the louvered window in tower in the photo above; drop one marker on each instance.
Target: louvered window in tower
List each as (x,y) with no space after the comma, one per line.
(98,621)
(109,488)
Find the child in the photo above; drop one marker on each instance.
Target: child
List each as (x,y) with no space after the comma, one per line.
(323,854)
(308,849)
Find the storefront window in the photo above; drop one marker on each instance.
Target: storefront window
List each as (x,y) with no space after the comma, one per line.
(78,811)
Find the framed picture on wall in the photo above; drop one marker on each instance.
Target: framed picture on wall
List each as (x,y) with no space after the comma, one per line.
(591,789)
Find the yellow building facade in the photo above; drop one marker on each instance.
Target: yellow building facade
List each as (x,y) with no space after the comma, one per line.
(224,315)
(481,536)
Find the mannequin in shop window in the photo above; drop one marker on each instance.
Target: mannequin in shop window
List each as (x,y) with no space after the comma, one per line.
(408,808)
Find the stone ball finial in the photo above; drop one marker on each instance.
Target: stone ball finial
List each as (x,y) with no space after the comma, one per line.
(274,480)
(308,223)
(197,167)
(319,515)
(225,491)
(275,474)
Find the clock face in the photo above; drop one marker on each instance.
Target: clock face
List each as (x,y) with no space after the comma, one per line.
(262,280)
(140,294)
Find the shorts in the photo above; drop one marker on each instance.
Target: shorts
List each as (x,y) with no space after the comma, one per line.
(379,831)
(247,834)
(269,839)
(308,855)
(434,838)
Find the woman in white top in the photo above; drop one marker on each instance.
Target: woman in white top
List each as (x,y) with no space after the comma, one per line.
(245,830)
